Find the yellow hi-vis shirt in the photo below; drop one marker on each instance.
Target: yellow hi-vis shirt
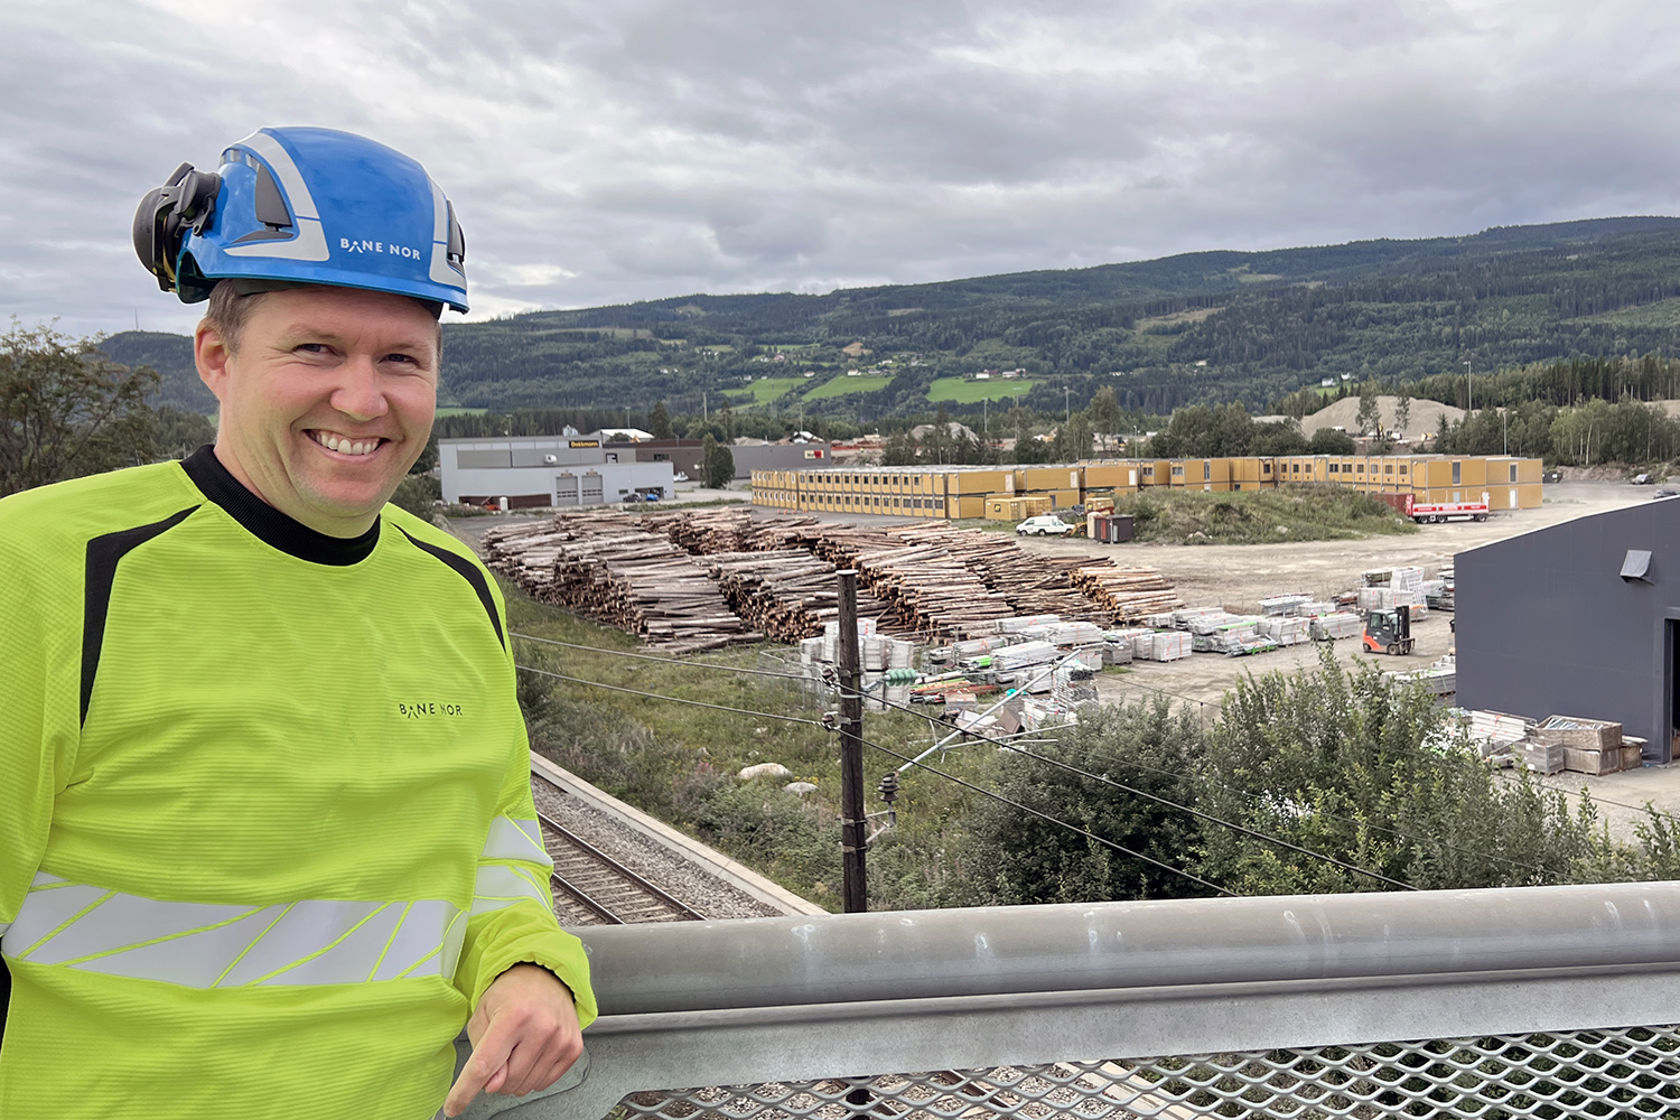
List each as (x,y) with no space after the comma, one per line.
(266,830)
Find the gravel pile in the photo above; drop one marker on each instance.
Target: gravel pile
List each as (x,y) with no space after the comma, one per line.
(656,861)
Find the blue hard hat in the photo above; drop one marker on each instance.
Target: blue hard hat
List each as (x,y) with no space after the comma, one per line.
(305,206)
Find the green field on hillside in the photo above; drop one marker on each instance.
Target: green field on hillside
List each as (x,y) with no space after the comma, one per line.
(845,386)
(766,389)
(964,391)
(457,410)
(1664,313)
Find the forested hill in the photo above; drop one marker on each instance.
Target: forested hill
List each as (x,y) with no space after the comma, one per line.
(1197,327)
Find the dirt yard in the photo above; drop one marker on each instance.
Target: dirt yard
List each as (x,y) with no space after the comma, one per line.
(1237,577)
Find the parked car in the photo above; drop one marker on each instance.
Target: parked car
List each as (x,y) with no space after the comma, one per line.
(1644,479)
(1044,525)
(1665,492)
(1552,476)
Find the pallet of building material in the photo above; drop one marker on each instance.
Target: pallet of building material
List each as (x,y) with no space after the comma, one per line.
(1438,679)
(1210,620)
(1248,644)
(1117,653)
(1502,728)
(1167,645)
(1337,624)
(1286,630)
(1633,752)
(1026,655)
(1128,636)
(1066,633)
(1283,604)
(1541,758)
(1016,623)
(1592,762)
(1579,732)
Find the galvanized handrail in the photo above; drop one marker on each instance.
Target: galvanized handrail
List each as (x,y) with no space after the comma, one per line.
(783,1000)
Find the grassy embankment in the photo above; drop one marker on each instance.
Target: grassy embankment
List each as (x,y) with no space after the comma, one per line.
(679,761)
(1288,514)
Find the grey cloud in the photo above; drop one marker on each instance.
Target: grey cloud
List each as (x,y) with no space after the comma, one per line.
(646,148)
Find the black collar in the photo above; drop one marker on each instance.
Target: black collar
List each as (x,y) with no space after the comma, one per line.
(268,524)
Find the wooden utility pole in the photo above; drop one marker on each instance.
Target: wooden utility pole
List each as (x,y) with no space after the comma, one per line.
(852,822)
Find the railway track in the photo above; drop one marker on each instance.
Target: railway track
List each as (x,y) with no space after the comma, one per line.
(596,889)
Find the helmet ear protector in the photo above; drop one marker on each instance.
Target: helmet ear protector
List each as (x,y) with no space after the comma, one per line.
(185,202)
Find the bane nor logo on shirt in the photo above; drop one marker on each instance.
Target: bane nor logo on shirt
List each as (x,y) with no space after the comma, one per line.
(425,709)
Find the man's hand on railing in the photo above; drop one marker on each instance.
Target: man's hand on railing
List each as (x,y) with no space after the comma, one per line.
(524,1035)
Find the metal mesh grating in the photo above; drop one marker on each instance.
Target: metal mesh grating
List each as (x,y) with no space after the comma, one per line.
(1632,1072)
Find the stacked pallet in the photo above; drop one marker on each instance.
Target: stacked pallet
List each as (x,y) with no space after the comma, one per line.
(1590,746)
(1337,624)
(1286,630)
(1496,733)
(1127,594)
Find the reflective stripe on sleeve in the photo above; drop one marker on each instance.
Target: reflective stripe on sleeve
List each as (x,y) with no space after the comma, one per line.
(499,886)
(516,839)
(217,945)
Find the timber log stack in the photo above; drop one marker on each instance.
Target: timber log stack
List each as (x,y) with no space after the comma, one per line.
(696,580)
(613,571)
(1127,594)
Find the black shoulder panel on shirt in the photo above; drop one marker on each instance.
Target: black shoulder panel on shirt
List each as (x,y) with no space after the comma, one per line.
(468,571)
(103,555)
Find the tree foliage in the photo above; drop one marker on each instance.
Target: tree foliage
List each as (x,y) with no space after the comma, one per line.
(1145,747)
(717,462)
(67,410)
(1198,328)
(1321,781)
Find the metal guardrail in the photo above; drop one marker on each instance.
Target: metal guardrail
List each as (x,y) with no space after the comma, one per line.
(1542,1002)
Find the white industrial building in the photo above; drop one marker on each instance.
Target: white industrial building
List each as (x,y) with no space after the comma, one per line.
(560,471)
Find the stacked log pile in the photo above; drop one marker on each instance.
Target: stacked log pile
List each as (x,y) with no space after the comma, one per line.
(1128,594)
(607,568)
(1031,582)
(787,593)
(932,592)
(692,580)
(704,532)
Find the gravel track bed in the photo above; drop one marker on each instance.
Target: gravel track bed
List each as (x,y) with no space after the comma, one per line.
(647,857)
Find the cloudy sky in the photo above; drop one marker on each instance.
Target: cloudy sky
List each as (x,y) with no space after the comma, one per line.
(618,150)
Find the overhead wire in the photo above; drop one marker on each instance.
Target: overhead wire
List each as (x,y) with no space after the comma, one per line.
(1045,816)
(1096,777)
(1006,744)
(1204,704)
(672,699)
(684,662)
(949,777)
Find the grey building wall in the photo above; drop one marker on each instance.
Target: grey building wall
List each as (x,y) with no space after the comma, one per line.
(1546,625)
(685,455)
(532,466)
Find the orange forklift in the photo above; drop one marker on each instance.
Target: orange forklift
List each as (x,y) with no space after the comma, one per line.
(1388,632)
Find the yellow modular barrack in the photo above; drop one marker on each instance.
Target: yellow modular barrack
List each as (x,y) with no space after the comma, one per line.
(1121,477)
(1018,508)
(1508,482)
